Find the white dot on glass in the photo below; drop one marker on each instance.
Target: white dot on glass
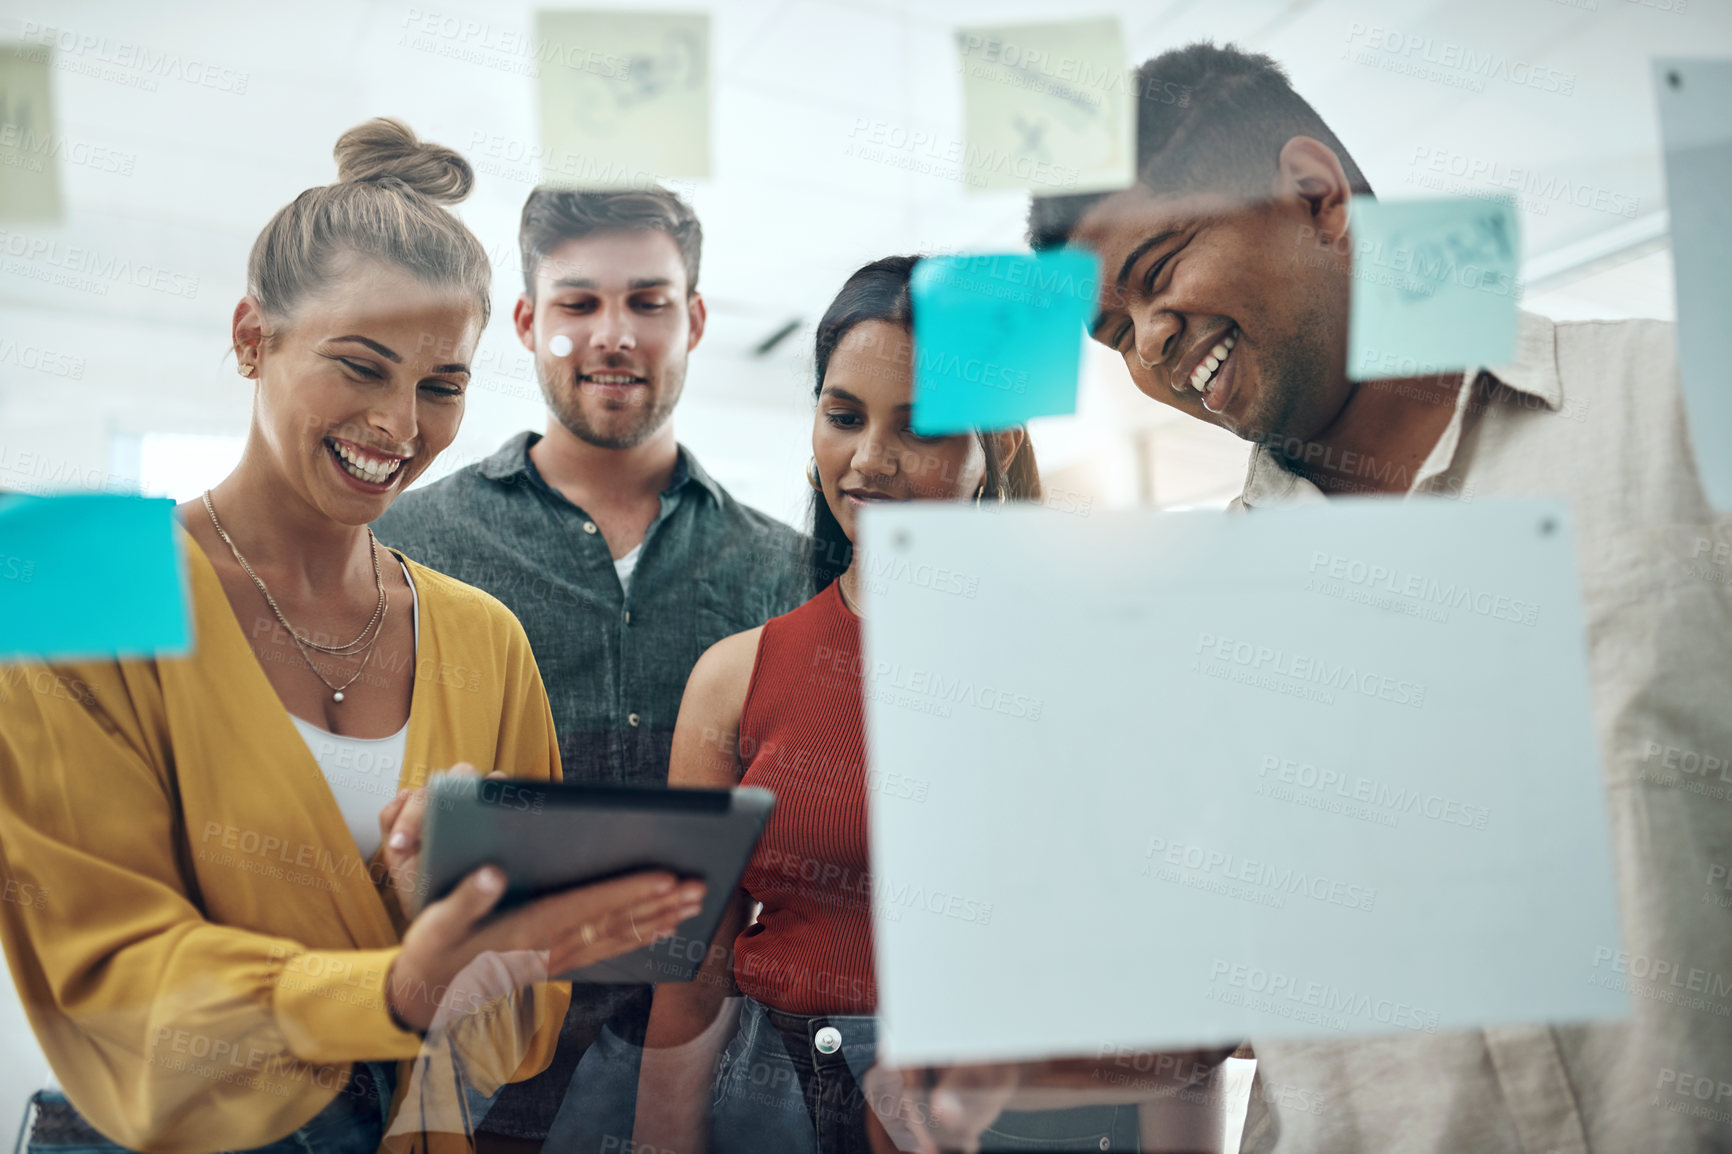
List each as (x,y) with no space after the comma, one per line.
(560,346)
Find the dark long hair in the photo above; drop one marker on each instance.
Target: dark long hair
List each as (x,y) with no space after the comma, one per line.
(879,292)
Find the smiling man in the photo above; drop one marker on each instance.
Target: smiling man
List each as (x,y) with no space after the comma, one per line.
(623,558)
(1227,270)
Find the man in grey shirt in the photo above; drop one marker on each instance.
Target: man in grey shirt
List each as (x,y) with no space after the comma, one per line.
(1226,272)
(622,558)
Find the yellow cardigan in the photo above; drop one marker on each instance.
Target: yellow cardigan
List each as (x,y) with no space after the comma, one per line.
(199,946)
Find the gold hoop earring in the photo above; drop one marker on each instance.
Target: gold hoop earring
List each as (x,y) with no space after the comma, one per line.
(998,486)
(812,477)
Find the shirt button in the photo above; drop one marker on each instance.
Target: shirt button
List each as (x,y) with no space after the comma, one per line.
(631,720)
(628,616)
(828,1040)
(589,526)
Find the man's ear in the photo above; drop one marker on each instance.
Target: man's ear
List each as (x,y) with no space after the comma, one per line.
(1308,170)
(523,320)
(698,313)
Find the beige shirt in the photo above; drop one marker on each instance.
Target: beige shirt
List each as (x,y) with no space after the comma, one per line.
(1591,412)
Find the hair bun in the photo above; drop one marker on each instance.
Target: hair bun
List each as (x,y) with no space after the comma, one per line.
(385,150)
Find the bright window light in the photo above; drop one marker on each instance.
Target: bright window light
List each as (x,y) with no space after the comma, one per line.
(179,465)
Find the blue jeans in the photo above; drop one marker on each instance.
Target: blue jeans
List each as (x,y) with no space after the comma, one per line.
(776,1092)
(599,1109)
(773,1079)
(353,1122)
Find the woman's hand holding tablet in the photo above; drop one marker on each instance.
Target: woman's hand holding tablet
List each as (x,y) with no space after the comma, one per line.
(568,930)
(400,825)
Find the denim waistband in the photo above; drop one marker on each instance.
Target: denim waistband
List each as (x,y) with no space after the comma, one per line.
(786,1022)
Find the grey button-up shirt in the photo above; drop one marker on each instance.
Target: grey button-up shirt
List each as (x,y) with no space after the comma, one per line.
(1591,412)
(615,660)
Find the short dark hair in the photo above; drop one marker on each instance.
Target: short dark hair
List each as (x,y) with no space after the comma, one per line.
(552,216)
(1208,119)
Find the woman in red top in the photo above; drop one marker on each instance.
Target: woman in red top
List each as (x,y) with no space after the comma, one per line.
(780,706)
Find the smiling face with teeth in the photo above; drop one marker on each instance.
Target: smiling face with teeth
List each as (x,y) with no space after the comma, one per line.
(1231,311)
(360,389)
(611,324)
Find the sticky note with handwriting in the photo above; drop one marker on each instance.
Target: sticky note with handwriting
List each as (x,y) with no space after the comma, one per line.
(91,576)
(1434,286)
(624,97)
(1047,107)
(1693,96)
(29,172)
(998,337)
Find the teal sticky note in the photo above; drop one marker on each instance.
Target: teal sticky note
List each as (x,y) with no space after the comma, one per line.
(91,576)
(1434,286)
(998,337)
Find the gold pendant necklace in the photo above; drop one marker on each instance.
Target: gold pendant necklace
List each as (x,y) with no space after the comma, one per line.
(365,641)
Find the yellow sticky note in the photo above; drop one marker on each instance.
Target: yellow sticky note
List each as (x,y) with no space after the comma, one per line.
(624,97)
(29,176)
(1047,107)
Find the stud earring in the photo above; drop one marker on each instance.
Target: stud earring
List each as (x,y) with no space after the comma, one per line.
(812,477)
(248,370)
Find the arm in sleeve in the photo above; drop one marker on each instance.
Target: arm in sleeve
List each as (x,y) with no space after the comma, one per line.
(169,1033)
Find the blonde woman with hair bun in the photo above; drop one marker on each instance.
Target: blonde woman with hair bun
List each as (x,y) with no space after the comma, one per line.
(228,842)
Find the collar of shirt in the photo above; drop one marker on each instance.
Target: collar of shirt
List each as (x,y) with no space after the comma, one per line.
(1534,371)
(512,460)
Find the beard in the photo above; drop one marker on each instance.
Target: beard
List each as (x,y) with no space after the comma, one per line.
(615,428)
(1294,385)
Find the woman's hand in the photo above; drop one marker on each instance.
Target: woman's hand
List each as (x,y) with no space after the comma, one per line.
(400,837)
(547,937)
(564,931)
(949,1108)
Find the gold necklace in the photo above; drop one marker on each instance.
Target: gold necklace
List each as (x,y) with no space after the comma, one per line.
(345,649)
(847,601)
(375,627)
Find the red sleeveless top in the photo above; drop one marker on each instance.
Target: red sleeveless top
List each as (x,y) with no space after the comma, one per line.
(803,736)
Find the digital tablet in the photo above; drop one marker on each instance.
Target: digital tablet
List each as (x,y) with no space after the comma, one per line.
(549,837)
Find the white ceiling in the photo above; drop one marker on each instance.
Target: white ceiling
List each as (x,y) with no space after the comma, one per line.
(787,214)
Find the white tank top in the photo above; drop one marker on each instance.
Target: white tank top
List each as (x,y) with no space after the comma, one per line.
(362,771)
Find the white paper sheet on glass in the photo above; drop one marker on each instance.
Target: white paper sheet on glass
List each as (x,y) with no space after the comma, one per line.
(624,97)
(1047,107)
(1147,780)
(1694,97)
